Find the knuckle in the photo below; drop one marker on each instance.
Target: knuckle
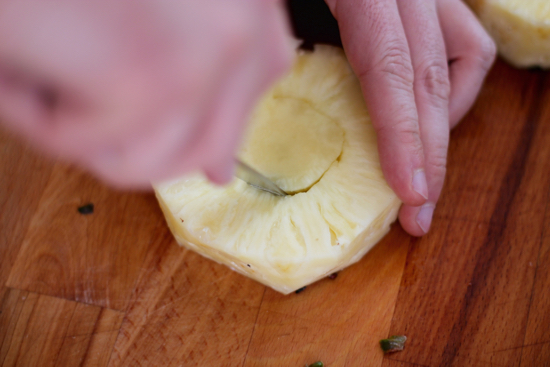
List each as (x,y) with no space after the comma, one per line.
(237,39)
(486,51)
(434,78)
(237,34)
(437,165)
(395,63)
(405,131)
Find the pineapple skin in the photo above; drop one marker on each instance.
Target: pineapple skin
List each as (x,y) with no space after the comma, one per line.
(520,28)
(289,242)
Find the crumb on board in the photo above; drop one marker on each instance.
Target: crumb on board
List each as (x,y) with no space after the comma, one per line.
(86,209)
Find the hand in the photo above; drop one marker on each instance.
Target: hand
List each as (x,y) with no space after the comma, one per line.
(139,90)
(421,64)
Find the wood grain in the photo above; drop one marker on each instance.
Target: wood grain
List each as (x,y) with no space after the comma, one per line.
(23,176)
(112,288)
(473,309)
(536,350)
(333,320)
(190,311)
(64,252)
(38,330)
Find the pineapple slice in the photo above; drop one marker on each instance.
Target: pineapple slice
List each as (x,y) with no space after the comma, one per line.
(520,28)
(312,135)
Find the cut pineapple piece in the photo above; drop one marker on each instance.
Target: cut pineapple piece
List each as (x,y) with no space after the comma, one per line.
(520,28)
(281,145)
(312,135)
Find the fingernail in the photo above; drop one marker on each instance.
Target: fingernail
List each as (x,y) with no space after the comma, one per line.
(221,175)
(424,217)
(419,183)
(226,173)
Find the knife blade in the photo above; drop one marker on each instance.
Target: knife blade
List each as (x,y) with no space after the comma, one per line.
(256,179)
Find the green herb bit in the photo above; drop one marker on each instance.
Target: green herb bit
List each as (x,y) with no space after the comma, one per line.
(316,364)
(394,343)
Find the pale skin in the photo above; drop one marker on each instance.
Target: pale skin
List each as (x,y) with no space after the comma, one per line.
(140,91)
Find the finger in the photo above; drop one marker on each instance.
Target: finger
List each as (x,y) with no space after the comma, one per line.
(21,105)
(183,139)
(228,121)
(431,89)
(267,59)
(471,53)
(165,140)
(376,46)
(245,86)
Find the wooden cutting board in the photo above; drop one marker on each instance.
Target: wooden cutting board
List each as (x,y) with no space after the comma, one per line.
(112,288)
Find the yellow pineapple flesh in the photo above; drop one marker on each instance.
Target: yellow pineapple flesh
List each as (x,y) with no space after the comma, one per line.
(520,28)
(311,134)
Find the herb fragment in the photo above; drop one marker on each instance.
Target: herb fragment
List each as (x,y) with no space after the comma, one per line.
(333,276)
(316,364)
(86,209)
(300,290)
(394,343)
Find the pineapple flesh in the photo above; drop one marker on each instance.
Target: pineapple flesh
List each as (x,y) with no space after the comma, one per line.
(311,134)
(520,28)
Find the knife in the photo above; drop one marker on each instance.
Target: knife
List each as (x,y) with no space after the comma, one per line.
(256,179)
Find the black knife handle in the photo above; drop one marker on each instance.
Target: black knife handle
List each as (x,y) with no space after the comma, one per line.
(313,22)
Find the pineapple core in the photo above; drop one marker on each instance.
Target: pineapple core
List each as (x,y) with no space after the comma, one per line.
(292,143)
(312,135)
